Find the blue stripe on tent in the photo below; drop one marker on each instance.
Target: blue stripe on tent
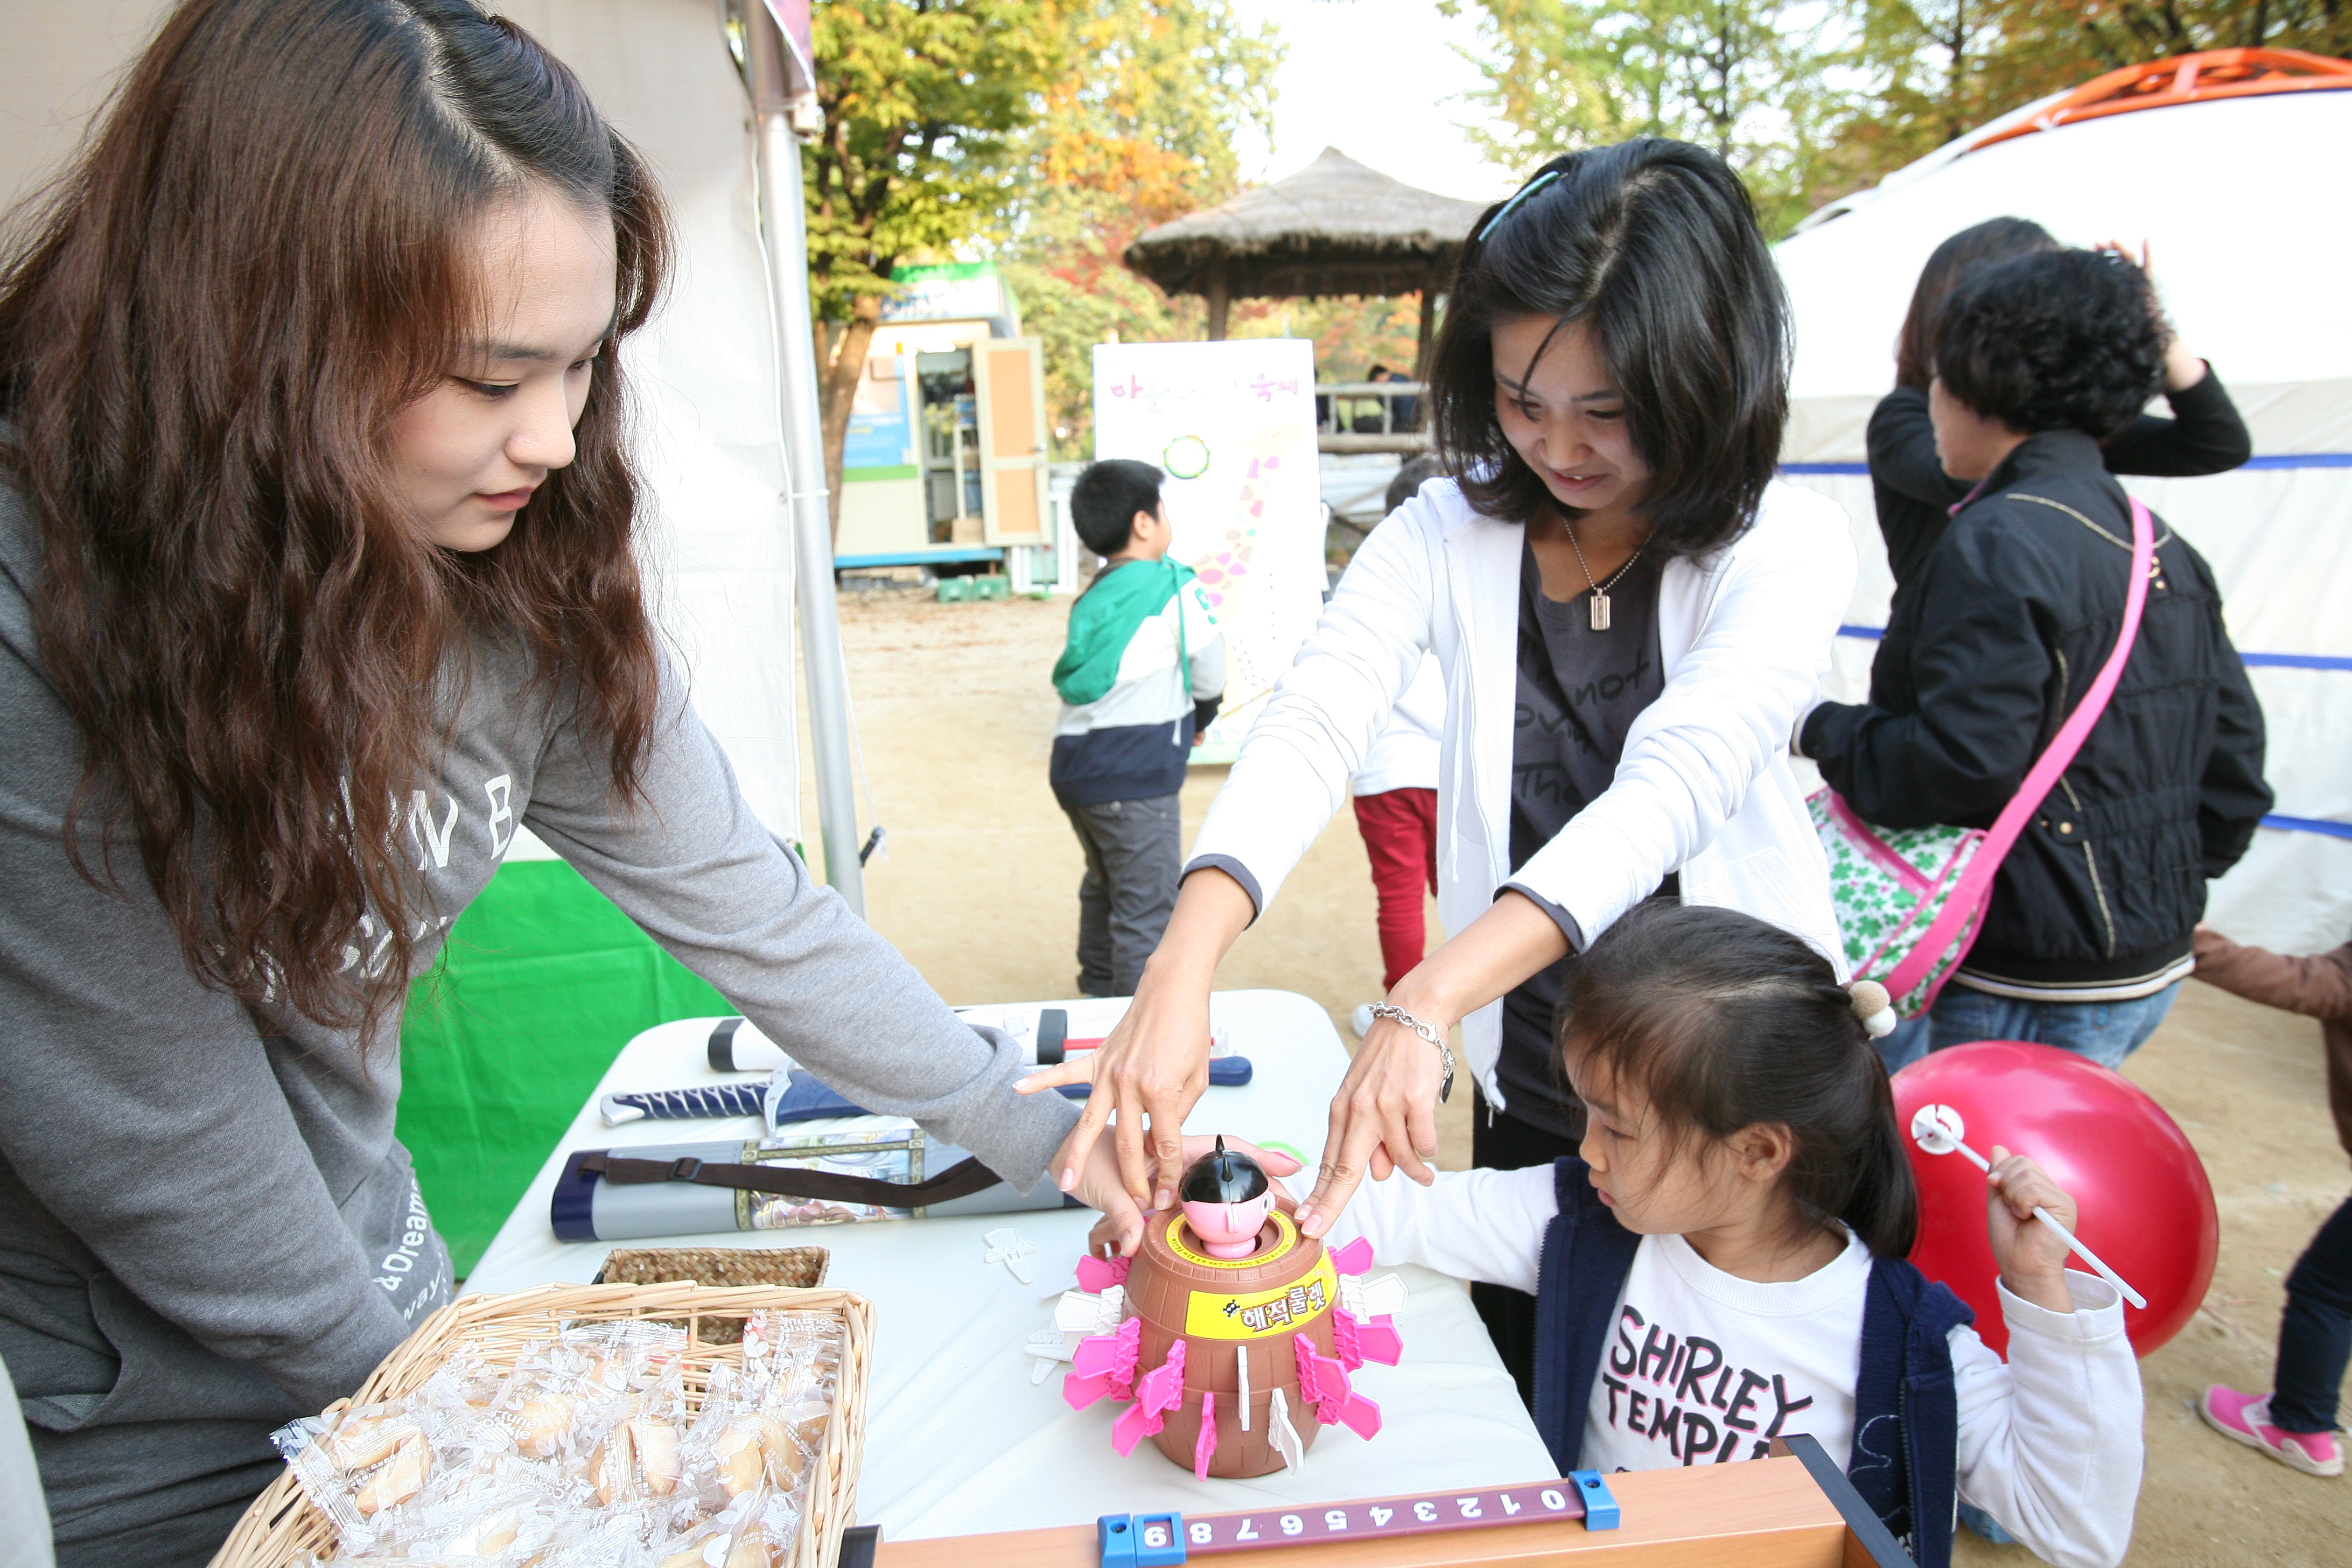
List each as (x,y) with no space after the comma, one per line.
(2277,460)
(2253,660)
(2296,661)
(2309,824)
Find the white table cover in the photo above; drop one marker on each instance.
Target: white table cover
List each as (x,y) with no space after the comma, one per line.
(958,1439)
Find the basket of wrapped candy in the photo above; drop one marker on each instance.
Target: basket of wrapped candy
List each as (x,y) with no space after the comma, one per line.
(668,1426)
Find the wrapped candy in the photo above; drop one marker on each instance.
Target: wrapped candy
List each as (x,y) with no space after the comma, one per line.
(582,1451)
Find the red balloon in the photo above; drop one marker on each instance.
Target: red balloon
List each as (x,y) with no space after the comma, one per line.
(2141,1195)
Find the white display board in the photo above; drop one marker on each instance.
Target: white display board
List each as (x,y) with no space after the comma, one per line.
(1232,427)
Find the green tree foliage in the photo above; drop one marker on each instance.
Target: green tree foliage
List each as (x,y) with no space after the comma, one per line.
(925,102)
(1971,61)
(1138,128)
(1757,81)
(1810,101)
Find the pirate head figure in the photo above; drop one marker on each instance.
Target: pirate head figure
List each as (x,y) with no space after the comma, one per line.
(1226,1197)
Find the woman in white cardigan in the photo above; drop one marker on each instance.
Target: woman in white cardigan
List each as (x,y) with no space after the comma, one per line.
(1630,615)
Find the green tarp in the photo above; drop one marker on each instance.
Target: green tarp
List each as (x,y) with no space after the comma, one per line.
(543,983)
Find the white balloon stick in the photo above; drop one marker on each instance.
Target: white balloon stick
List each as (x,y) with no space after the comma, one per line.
(1938,1130)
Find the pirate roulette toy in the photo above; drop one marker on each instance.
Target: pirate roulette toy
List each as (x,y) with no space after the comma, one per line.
(1230,1338)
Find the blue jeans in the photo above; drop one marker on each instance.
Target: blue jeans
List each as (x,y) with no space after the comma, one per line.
(2105,1032)
(2315,1335)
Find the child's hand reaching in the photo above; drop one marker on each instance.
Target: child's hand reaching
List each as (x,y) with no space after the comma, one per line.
(2030,1256)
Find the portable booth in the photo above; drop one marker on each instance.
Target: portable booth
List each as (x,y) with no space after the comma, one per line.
(945,459)
(2229,165)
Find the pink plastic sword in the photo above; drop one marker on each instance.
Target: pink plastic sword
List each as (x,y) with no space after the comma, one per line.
(1098,1274)
(1104,1366)
(1359,1342)
(1323,1383)
(1158,1391)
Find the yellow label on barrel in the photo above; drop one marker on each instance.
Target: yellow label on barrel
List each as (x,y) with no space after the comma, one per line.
(1252,1315)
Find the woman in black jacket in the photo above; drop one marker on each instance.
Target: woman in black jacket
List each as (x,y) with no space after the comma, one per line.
(1915,496)
(1992,644)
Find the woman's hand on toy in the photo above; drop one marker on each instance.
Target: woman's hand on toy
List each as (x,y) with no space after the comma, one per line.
(1383,1119)
(1121,1225)
(1154,1065)
(2030,1256)
(1384,1116)
(1151,1069)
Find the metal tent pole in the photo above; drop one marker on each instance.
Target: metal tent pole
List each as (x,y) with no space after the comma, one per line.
(784,225)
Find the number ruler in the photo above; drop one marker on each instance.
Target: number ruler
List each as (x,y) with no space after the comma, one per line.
(1163,1540)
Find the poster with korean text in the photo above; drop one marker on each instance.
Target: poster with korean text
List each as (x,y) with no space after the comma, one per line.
(1232,427)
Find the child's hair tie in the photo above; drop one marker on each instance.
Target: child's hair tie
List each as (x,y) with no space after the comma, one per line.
(1874,1006)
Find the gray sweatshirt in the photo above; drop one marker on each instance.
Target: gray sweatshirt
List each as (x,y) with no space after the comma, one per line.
(206,1227)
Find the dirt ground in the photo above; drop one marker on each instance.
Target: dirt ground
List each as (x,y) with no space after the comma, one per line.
(980,891)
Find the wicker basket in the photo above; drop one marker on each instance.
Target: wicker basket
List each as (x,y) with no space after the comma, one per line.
(281,1524)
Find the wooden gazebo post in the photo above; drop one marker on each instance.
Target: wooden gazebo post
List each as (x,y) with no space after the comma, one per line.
(1218,289)
(1432,291)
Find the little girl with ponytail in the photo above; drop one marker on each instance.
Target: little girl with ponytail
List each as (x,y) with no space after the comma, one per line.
(1724,1263)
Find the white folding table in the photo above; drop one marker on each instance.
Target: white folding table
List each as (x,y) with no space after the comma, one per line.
(958,1439)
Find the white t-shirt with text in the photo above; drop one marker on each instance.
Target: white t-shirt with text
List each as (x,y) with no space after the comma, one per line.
(2049,1441)
(1705,1367)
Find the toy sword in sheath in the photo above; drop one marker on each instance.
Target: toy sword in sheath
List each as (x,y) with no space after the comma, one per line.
(736,1044)
(794,1094)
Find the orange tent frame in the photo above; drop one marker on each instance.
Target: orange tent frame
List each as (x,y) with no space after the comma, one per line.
(2186,78)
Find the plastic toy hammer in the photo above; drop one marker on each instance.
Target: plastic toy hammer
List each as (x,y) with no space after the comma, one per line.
(1937,1128)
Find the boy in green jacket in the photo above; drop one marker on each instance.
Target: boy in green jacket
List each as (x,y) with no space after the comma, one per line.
(1142,671)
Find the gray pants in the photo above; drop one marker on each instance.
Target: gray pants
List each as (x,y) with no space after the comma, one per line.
(1134,850)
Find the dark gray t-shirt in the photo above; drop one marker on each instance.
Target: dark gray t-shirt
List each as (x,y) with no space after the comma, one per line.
(1579,692)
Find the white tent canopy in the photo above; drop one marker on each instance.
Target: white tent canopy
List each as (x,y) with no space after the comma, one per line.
(2239,202)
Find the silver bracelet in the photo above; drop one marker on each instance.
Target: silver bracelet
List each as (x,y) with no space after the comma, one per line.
(1445,1051)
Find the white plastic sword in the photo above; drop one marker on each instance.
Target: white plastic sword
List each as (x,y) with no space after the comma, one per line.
(1937,1128)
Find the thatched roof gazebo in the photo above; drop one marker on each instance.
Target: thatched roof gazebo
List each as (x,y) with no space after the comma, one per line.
(1334,227)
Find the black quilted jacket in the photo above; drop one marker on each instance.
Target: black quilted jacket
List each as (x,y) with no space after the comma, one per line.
(2014,611)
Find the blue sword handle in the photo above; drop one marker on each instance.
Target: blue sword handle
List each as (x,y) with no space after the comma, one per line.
(685,1104)
(1225,1072)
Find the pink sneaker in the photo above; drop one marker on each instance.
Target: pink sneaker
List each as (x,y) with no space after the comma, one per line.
(2246,1418)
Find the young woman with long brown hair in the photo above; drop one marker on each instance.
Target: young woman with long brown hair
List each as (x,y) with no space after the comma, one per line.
(316,584)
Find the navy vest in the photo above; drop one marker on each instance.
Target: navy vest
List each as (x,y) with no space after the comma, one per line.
(1905,1416)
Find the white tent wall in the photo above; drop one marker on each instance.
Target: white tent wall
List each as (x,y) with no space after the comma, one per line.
(718,542)
(704,374)
(2249,255)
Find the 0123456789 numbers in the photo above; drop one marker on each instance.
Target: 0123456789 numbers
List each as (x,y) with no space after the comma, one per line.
(1396,1516)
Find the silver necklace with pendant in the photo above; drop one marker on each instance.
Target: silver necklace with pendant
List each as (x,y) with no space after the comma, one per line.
(1599,590)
